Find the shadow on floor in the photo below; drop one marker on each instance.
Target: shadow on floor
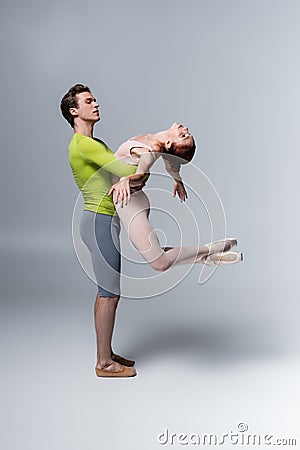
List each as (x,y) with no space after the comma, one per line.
(223,344)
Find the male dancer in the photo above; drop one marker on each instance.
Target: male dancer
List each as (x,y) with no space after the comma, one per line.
(87,155)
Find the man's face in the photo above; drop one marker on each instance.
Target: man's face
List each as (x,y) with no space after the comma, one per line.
(88,108)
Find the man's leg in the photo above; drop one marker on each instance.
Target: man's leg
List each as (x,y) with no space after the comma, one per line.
(104,315)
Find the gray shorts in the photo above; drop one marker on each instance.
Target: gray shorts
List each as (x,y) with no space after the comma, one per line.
(100,233)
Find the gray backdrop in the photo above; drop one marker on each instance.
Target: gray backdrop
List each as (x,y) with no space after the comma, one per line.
(208,356)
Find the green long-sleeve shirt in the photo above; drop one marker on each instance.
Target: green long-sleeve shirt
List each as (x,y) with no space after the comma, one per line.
(92,162)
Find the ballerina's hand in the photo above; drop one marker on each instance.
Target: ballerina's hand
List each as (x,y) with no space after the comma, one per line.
(179,189)
(121,191)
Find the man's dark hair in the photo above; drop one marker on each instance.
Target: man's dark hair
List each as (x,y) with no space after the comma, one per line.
(69,101)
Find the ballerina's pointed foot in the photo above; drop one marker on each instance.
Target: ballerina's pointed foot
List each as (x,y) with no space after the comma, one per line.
(223,245)
(224,258)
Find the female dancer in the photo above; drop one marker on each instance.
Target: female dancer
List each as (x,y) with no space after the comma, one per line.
(177,147)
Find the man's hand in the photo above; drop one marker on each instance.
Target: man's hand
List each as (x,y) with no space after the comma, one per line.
(179,189)
(121,191)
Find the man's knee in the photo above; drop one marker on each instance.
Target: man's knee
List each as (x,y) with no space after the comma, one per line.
(107,299)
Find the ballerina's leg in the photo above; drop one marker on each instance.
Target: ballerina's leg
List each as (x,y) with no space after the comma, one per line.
(135,218)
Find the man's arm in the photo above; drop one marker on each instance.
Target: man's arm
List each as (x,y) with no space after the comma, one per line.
(97,152)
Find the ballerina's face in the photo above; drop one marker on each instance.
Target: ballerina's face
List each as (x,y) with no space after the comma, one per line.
(181,142)
(180,134)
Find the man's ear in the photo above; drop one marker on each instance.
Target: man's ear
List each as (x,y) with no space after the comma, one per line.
(73,112)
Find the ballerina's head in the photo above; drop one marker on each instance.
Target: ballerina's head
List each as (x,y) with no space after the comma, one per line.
(180,142)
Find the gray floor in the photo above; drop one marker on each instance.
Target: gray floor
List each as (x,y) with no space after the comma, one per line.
(208,357)
(227,354)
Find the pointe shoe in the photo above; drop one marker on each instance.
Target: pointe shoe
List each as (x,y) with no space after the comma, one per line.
(123,372)
(224,258)
(231,241)
(125,362)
